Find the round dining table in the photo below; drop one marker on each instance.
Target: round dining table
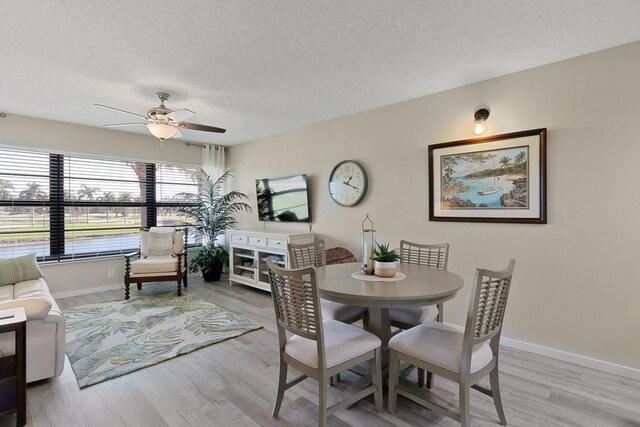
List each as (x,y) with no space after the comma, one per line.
(421,286)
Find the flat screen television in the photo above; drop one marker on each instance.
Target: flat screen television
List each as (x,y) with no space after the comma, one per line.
(283,199)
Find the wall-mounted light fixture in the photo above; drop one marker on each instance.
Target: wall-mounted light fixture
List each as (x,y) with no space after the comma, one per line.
(480,117)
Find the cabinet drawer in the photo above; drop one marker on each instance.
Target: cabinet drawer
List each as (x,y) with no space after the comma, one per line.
(257,241)
(277,243)
(238,238)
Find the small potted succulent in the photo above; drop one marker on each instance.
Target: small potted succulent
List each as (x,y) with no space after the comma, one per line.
(385,260)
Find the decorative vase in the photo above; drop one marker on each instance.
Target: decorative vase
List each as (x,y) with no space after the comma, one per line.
(214,273)
(385,269)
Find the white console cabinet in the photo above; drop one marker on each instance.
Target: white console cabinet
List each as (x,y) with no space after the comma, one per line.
(249,250)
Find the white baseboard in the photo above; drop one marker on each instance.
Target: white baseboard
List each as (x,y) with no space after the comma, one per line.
(587,362)
(87,291)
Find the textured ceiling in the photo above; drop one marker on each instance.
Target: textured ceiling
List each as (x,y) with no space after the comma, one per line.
(259,68)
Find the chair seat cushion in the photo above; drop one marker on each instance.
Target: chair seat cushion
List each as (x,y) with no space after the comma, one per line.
(154,265)
(439,345)
(414,315)
(337,311)
(342,342)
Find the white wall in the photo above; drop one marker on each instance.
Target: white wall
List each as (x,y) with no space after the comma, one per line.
(29,132)
(576,287)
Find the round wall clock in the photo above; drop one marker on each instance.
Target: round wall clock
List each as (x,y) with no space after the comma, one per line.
(348,183)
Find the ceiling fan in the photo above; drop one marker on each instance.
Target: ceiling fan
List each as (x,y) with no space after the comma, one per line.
(162,122)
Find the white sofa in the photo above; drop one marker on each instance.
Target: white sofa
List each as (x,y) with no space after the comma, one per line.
(45,328)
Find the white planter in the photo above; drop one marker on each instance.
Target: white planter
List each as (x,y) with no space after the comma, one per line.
(385,269)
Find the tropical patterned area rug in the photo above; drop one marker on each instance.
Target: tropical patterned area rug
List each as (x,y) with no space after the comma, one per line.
(107,340)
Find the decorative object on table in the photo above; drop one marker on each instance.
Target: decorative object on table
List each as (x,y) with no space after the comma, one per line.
(359,275)
(348,183)
(463,357)
(500,178)
(211,213)
(162,257)
(385,260)
(107,340)
(367,242)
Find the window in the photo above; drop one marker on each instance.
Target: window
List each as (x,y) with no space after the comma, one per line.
(62,206)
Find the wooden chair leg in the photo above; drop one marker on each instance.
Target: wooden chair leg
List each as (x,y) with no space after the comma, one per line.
(375,366)
(139,285)
(465,415)
(179,288)
(184,280)
(282,385)
(393,380)
(495,391)
(429,379)
(420,377)
(126,290)
(322,403)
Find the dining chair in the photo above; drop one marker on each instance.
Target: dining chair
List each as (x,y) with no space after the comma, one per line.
(464,357)
(434,256)
(318,348)
(314,255)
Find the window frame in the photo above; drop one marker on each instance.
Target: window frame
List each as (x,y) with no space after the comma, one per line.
(56,203)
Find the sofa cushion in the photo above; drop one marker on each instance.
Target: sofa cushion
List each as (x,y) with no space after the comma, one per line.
(34,308)
(30,288)
(14,270)
(154,265)
(6,293)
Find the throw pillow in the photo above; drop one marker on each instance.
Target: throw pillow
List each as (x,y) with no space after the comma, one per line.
(14,270)
(160,245)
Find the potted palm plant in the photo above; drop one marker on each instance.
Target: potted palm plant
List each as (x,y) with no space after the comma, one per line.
(385,260)
(211,212)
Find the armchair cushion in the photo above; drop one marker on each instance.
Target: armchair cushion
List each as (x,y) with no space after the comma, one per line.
(160,245)
(177,239)
(154,265)
(14,270)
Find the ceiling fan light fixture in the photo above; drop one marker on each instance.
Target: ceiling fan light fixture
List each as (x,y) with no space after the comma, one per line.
(162,131)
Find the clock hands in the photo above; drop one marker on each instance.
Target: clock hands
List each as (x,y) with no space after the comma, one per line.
(349,185)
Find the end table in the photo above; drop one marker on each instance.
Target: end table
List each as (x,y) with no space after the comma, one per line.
(13,369)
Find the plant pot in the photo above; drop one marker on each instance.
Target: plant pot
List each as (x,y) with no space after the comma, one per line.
(385,269)
(214,273)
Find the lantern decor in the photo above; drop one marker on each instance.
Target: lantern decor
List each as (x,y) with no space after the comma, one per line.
(367,245)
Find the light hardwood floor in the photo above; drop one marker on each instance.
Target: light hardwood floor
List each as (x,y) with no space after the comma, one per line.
(233,383)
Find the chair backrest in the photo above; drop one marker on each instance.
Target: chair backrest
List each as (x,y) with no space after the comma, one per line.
(180,236)
(307,255)
(296,300)
(486,310)
(339,256)
(435,256)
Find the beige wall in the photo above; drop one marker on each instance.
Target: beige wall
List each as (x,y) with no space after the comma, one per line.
(576,286)
(28,132)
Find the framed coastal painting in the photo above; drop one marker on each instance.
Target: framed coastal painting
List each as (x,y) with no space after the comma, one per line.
(499,178)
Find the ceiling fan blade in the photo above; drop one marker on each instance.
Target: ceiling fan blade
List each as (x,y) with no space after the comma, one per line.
(179,115)
(178,134)
(115,125)
(196,126)
(120,111)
